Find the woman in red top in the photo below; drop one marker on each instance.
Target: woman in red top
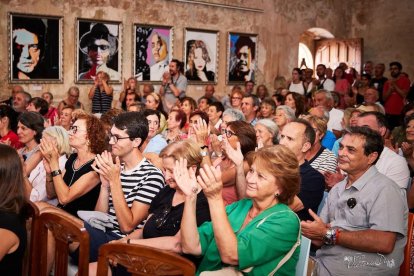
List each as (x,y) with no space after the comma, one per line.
(8,122)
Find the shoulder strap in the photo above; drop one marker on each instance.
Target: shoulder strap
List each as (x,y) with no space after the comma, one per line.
(291,251)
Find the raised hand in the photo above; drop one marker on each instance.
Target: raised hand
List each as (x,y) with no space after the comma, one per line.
(49,150)
(331,179)
(106,167)
(234,155)
(185,177)
(202,131)
(210,181)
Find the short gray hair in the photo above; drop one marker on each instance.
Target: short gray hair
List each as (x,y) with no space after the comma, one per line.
(289,113)
(269,125)
(328,94)
(236,114)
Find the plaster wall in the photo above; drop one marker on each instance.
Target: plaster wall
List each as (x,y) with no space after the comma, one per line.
(279,27)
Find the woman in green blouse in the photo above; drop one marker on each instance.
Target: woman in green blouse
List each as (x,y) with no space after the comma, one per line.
(258,235)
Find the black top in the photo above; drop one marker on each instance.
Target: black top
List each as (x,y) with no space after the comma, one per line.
(11,264)
(311,190)
(86,202)
(166,219)
(194,77)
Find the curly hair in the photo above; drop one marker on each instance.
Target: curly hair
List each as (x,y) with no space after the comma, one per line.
(282,163)
(95,132)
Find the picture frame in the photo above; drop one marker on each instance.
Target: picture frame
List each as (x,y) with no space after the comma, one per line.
(35,48)
(153,51)
(201,49)
(242,57)
(98,48)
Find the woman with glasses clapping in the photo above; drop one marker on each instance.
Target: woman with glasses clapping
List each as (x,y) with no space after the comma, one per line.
(76,188)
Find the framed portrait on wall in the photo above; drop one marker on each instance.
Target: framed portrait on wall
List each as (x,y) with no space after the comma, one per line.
(98,48)
(241,57)
(153,50)
(35,48)
(201,55)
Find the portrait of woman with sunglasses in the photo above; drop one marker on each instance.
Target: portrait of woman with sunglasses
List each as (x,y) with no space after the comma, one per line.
(76,188)
(162,226)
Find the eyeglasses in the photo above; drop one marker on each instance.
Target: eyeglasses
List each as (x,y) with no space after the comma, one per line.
(116,138)
(75,129)
(228,133)
(95,47)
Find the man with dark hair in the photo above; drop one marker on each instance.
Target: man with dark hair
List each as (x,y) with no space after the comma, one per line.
(363,225)
(395,91)
(250,106)
(130,99)
(38,105)
(242,67)
(248,87)
(299,137)
(127,190)
(323,82)
(28,47)
(174,85)
(215,111)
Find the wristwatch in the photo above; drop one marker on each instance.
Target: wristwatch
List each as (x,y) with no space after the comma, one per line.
(56,173)
(330,237)
(203,153)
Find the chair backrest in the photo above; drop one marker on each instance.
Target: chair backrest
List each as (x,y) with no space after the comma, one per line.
(31,213)
(143,260)
(302,265)
(322,203)
(65,231)
(405,266)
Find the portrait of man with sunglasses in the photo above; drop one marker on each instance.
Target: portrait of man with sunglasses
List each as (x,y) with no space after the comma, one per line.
(243,60)
(99,47)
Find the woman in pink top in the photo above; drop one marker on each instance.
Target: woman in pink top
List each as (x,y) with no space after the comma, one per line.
(8,121)
(342,86)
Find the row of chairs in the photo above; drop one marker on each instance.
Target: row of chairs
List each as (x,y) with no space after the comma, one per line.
(138,260)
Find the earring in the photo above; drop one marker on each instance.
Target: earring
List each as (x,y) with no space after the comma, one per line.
(88,143)
(276,195)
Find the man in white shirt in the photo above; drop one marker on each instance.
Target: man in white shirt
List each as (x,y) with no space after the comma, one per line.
(323,82)
(324,98)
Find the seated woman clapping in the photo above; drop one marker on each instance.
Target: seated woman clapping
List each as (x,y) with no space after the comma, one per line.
(259,235)
(76,188)
(162,226)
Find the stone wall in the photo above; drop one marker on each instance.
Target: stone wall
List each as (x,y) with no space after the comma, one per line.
(279,28)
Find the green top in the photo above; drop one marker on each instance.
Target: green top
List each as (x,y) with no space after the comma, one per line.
(261,244)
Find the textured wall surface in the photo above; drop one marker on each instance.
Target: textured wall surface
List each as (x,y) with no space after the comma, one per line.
(280,25)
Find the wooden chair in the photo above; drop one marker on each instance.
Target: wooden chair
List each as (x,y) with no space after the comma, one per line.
(405,266)
(31,213)
(143,260)
(65,232)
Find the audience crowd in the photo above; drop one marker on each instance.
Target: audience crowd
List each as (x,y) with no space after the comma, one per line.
(231,182)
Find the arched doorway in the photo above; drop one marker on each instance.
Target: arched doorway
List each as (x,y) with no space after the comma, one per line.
(307,47)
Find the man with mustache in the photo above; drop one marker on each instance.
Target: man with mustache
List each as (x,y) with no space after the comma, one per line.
(362,227)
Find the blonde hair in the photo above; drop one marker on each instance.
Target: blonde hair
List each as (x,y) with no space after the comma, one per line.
(320,123)
(186,149)
(282,163)
(62,139)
